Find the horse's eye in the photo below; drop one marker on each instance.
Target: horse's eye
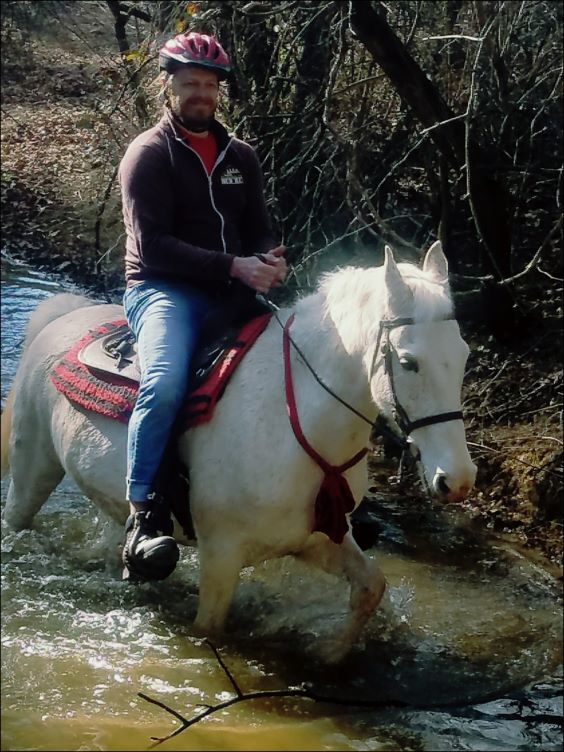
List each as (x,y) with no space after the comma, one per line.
(408,363)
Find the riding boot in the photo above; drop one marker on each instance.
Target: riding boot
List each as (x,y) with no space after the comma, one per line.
(147,553)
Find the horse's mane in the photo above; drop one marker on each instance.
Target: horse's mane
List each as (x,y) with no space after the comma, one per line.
(355,300)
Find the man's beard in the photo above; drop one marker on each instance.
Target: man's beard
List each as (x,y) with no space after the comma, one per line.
(191,123)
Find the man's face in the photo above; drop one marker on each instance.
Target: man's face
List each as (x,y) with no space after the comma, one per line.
(193,96)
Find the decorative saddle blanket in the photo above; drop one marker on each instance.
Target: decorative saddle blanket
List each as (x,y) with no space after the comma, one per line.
(100,372)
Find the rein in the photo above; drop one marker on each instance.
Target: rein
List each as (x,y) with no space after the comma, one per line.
(295,421)
(334,499)
(381,425)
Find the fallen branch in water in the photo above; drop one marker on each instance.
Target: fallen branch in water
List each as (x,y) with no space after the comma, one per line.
(246,696)
(307,694)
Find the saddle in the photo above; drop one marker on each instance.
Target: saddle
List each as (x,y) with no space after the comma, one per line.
(115,355)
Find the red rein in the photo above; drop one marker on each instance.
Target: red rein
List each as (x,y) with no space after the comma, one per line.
(334,498)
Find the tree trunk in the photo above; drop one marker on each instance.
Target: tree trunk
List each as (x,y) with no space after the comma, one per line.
(120,20)
(489,200)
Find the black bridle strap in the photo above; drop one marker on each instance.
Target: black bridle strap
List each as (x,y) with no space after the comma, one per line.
(387,325)
(406,425)
(432,419)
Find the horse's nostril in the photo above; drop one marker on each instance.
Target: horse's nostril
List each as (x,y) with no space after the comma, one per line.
(441,484)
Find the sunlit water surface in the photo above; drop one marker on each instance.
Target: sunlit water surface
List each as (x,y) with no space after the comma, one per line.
(468,637)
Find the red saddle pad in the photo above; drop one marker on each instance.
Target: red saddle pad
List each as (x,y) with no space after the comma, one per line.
(115,397)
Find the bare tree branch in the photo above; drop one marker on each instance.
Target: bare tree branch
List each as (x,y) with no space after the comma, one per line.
(249,696)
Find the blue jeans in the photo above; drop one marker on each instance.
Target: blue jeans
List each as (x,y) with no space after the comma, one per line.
(166,319)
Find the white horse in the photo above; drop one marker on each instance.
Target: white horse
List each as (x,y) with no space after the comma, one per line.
(383,339)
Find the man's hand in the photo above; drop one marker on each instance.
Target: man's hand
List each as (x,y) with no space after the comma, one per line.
(261,274)
(275,258)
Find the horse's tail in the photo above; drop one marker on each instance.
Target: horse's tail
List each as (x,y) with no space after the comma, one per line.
(47,311)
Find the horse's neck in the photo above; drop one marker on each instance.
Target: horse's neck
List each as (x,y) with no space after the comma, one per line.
(334,430)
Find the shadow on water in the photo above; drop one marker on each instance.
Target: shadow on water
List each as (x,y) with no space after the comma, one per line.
(464,653)
(464,619)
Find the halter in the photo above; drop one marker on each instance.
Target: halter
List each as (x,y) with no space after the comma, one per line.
(405,424)
(381,424)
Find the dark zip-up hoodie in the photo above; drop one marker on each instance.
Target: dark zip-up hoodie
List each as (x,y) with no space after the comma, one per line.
(182,223)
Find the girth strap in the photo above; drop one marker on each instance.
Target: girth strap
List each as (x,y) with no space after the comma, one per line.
(334,498)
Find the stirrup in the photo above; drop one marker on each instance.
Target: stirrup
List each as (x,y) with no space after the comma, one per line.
(146,554)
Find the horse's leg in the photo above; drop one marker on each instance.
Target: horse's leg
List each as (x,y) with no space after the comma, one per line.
(220,564)
(366,580)
(36,472)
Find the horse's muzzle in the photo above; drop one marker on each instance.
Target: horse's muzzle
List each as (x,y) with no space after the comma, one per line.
(454,488)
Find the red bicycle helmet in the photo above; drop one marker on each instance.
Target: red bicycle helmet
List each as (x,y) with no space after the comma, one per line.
(194,49)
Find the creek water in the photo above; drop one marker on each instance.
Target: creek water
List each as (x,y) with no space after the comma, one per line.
(464,653)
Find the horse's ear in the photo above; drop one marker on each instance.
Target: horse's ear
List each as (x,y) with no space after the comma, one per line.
(400,297)
(435,262)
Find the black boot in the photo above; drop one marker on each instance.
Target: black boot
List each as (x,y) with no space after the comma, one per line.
(147,554)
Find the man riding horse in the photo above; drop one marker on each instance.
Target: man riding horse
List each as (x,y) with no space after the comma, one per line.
(198,232)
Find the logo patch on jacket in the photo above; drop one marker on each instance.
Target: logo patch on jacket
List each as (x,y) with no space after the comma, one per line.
(231,176)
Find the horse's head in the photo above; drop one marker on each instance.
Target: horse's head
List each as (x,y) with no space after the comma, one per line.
(417,370)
